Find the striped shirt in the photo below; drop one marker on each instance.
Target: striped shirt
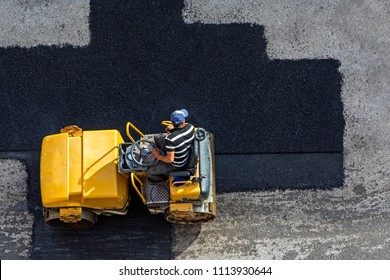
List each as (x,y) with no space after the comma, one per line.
(179,141)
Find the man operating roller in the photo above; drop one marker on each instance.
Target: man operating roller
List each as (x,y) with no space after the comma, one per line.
(173,149)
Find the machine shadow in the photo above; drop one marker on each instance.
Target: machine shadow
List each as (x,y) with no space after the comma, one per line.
(137,235)
(182,238)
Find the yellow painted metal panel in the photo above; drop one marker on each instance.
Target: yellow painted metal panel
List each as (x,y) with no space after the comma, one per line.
(82,171)
(54,170)
(103,186)
(181,207)
(70,215)
(188,191)
(75,169)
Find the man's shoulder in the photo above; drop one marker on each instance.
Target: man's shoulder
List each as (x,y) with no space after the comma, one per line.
(185,128)
(188,126)
(179,131)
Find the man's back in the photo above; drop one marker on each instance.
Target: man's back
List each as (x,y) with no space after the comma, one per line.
(179,141)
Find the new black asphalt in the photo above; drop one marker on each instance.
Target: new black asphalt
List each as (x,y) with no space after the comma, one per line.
(144,61)
(277,123)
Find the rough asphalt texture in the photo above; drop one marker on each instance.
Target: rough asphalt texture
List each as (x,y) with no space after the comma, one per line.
(144,61)
(16,220)
(346,223)
(29,23)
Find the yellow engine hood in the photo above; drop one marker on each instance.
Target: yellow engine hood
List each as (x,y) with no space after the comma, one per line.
(82,171)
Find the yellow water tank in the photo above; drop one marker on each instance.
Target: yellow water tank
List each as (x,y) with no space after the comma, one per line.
(80,170)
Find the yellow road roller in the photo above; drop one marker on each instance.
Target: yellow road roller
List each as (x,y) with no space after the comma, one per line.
(84,174)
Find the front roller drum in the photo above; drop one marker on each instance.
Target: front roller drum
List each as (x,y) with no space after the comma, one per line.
(54,219)
(188,216)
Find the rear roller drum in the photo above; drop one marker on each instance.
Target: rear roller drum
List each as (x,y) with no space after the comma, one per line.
(183,217)
(52,219)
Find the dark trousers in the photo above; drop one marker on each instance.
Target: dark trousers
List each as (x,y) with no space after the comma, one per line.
(160,171)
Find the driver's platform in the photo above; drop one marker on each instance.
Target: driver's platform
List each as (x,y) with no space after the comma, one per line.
(156,193)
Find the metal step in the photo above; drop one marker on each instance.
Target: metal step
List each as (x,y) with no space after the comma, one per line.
(156,193)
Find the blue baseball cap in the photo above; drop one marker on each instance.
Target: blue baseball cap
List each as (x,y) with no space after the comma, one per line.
(178,116)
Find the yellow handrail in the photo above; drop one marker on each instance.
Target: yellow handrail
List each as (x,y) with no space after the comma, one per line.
(180,182)
(166,123)
(135,186)
(128,125)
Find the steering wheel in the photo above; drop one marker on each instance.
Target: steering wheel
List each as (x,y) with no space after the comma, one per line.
(141,153)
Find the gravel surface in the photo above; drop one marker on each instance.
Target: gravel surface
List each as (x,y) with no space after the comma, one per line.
(16,221)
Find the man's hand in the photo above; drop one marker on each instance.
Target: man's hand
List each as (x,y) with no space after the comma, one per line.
(169,128)
(156,153)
